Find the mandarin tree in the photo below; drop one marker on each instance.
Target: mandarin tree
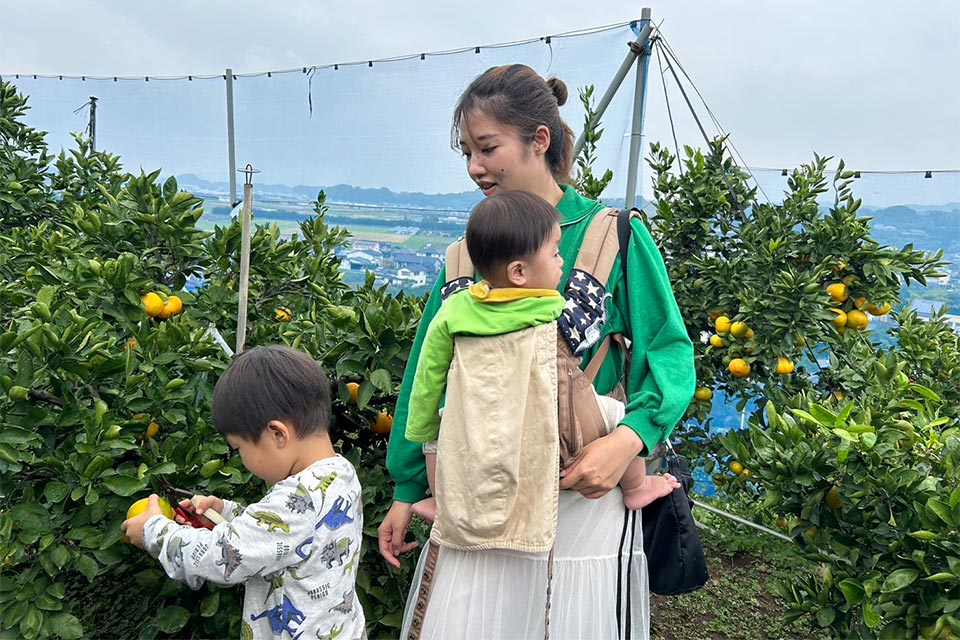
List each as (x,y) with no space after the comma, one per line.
(104,402)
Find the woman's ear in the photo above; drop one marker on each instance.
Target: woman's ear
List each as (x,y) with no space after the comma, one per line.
(541,140)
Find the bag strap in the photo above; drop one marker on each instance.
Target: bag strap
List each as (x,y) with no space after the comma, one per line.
(459,269)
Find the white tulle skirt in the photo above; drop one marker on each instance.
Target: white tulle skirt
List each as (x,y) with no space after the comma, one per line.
(599,587)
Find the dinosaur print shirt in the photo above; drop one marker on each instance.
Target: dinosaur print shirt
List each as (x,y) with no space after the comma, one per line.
(296,551)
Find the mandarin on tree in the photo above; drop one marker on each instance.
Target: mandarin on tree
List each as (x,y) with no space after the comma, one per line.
(840,321)
(722,324)
(784,365)
(716,341)
(173,305)
(882,310)
(353,388)
(739,368)
(857,320)
(838,292)
(703,394)
(383,424)
(739,329)
(152,304)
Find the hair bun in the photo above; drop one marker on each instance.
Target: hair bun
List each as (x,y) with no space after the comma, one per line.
(559,90)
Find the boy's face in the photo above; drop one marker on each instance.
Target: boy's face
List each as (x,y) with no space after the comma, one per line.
(545,267)
(263,458)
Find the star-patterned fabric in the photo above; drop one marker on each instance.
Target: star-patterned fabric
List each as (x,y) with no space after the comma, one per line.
(584,315)
(453,286)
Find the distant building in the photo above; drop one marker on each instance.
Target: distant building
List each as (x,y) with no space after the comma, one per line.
(406,277)
(361,260)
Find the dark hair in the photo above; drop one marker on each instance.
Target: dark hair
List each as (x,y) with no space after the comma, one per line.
(509,225)
(515,95)
(271,383)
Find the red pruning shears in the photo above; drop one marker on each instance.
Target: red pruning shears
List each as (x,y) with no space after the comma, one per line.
(175,495)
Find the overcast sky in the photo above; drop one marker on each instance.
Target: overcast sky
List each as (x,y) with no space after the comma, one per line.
(874,81)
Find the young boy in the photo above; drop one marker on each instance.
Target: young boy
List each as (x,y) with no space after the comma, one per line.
(513,241)
(297,550)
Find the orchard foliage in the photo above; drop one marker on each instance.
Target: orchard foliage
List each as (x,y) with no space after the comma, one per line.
(85,372)
(854,451)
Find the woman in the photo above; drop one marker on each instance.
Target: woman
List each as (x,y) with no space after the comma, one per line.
(507,125)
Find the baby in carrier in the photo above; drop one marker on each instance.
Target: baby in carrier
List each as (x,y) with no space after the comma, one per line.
(513,243)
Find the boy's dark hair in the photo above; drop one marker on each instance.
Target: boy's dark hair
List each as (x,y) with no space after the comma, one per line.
(271,383)
(509,225)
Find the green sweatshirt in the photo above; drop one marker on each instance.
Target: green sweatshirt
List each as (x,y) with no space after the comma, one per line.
(662,377)
(468,312)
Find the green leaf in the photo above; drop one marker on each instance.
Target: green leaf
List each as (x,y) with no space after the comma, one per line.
(381,379)
(943,511)
(942,577)
(826,616)
(87,566)
(924,535)
(60,556)
(124,485)
(172,619)
(31,623)
(853,591)
(929,394)
(66,626)
(868,440)
(870,617)
(899,579)
(56,491)
(31,517)
(843,434)
(45,295)
(210,604)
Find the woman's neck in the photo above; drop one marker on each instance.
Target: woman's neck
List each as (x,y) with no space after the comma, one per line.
(549,190)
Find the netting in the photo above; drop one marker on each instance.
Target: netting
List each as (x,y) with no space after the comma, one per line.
(384,124)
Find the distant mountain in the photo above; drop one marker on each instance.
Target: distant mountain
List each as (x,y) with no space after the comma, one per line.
(342,194)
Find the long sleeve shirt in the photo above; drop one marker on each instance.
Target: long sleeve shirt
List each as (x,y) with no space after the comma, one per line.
(662,377)
(296,551)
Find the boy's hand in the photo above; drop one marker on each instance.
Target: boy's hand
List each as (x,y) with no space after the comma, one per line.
(133,528)
(203,504)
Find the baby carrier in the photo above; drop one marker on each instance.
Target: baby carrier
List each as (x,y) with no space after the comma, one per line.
(580,418)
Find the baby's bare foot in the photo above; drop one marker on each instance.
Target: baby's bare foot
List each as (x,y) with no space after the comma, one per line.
(653,487)
(426,509)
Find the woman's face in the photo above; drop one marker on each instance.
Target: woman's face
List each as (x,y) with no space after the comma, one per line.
(497,158)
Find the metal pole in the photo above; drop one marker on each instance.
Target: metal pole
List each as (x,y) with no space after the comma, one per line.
(231,146)
(636,133)
(246,217)
(635,49)
(93,123)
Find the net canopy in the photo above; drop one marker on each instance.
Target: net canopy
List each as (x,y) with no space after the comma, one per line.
(385,124)
(378,124)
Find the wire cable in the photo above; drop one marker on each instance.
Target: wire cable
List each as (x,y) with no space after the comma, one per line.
(368,63)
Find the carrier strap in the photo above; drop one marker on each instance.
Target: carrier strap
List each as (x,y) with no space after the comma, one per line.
(423,593)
